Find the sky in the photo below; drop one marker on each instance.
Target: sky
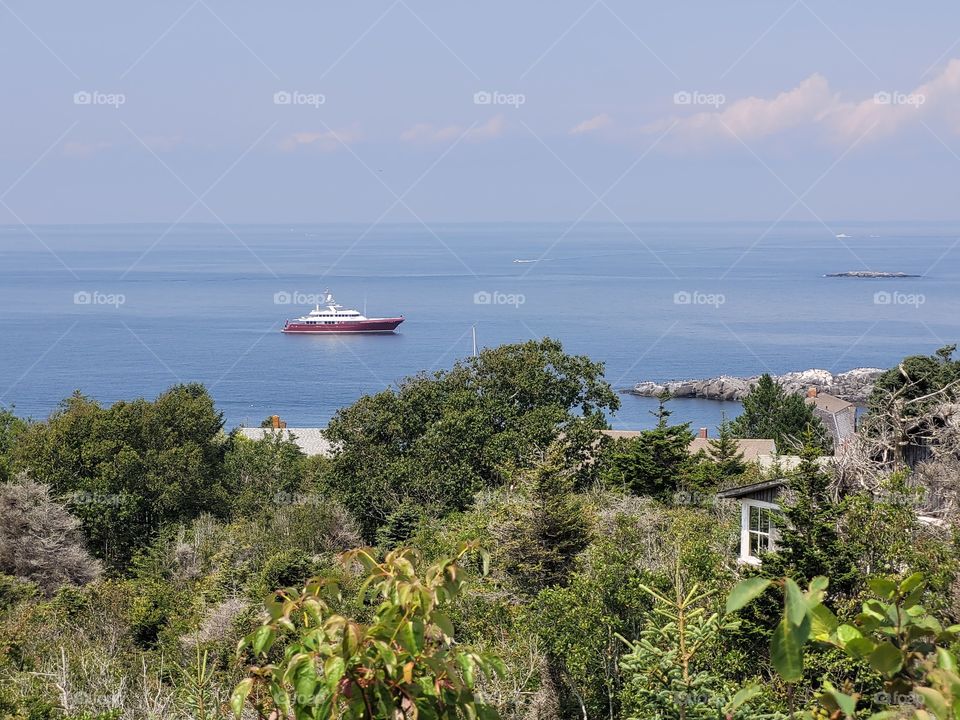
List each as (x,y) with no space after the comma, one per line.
(541,110)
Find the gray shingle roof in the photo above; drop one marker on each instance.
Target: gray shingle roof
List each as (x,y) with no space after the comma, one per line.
(829,403)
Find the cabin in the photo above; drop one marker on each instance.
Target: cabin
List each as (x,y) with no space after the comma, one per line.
(759,515)
(837,415)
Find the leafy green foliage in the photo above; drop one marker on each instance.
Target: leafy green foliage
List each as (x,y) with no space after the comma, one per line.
(915,381)
(129,469)
(404,663)
(894,634)
(438,439)
(11,427)
(262,472)
(770,412)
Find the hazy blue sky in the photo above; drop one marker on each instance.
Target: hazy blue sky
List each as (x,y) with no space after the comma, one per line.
(130,111)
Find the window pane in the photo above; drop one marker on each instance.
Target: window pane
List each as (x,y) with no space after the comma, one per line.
(764,519)
(754,517)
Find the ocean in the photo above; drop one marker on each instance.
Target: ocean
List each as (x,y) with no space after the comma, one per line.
(125,311)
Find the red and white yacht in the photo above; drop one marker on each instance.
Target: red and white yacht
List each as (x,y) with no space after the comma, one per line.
(329,317)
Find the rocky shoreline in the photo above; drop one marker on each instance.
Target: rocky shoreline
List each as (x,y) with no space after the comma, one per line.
(853,386)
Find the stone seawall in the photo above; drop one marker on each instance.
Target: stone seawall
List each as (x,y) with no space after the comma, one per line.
(853,386)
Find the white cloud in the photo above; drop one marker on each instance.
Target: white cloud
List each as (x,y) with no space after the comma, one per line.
(325,141)
(755,117)
(597,122)
(426,133)
(813,105)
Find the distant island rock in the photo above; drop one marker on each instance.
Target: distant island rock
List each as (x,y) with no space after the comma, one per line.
(853,386)
(871,274)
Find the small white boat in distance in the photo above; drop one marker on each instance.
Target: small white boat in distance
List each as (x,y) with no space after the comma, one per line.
(842,236)
(524,261)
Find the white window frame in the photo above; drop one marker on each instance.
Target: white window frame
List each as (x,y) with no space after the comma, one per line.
(745,506)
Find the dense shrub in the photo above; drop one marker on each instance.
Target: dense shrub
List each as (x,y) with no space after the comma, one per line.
(40,541)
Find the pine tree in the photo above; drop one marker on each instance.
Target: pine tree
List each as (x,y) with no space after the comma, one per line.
(809,543)
(656,463)
(770,412)
(725,453)
(554,527)
(661,457)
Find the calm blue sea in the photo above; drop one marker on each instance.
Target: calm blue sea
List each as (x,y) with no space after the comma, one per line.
(652,301)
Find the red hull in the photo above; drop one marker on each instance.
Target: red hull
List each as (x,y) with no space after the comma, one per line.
(373,325)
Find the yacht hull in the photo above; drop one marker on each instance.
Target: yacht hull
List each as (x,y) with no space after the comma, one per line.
(371,325)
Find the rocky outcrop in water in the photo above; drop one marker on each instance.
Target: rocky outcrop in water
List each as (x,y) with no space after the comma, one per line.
(871,274)
(854,385)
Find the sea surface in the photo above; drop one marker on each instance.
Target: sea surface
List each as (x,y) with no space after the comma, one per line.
(124,311)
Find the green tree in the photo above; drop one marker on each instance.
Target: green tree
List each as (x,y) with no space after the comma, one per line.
(11,427)
(269,471)
(554,527)
(437,439)
(916,381)
(403,663)
(770,412)
(809,542)
(670,672)
(725,453)
(655,463)
(127,470)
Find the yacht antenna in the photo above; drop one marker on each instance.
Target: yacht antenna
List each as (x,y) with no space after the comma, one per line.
(473,328)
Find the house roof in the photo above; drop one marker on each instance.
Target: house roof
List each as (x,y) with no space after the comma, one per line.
(752,448)
(311,441)
(745,490)
(829,403)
